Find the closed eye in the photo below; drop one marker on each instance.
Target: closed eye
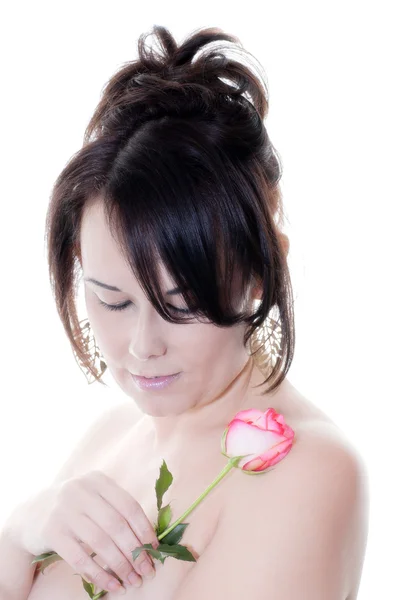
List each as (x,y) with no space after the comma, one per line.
(126,304)
(114,306)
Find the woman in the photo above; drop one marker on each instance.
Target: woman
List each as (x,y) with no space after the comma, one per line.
(168,210)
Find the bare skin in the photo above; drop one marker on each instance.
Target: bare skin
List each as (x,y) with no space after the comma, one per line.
(133,461)
(184,423)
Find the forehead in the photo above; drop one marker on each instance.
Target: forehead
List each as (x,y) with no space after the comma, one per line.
(95,234)
(100,251)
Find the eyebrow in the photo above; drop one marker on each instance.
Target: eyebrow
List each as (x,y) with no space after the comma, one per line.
(112,288)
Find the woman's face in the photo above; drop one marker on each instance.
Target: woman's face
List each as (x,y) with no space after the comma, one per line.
(138,340)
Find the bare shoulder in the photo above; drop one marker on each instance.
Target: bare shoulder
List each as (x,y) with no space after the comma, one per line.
(324,461)
(320,493)
(321,461)
(300,528)
(327,484)
(321,455)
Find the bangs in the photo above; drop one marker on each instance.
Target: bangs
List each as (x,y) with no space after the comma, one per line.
(184,211)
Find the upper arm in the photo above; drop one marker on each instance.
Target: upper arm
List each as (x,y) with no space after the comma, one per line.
(103,430)
(290,534)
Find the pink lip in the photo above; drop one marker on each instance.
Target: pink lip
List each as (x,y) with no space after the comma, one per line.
(154,384)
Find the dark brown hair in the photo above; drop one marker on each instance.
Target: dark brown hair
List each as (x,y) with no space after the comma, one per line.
(182,162)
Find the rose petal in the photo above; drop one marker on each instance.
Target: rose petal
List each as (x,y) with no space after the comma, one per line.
(271,420)
(268,420)
(243,439)
(266,460)
(250,415)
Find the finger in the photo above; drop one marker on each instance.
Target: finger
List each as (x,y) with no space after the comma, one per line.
(134,579)
(119,531)
(127,507)
(103,545)
(73,554)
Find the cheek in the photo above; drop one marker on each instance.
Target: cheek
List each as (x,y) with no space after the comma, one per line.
(214,346)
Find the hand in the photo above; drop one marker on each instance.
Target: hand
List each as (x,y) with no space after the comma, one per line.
(94,510)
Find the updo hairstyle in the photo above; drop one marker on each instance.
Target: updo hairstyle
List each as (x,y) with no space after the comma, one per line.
(178,154)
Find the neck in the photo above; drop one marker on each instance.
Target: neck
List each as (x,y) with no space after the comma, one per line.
(212,417)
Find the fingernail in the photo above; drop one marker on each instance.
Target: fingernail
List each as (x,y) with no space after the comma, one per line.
(135,580)
(115,586)
(148,570)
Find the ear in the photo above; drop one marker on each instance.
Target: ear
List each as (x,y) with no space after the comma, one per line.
(256,293)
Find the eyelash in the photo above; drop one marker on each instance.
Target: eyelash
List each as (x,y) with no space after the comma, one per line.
(123,306)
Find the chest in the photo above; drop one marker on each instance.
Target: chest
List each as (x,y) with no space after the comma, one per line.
(134,464)
(135,468)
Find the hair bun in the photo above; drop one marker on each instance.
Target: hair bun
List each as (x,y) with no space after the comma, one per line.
(176,83)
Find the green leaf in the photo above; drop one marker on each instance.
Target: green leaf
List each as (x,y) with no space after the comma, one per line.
(176,551)
(90,589)
(163,483)
(48,558)
(175,535)
(164,518)
(40,557)
(146,547)
(164,551)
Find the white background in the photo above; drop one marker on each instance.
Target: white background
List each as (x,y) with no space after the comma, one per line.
(341,77)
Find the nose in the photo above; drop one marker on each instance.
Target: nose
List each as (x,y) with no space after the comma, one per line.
(147,337)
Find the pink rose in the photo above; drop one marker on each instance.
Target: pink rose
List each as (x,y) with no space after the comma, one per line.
(261,438)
